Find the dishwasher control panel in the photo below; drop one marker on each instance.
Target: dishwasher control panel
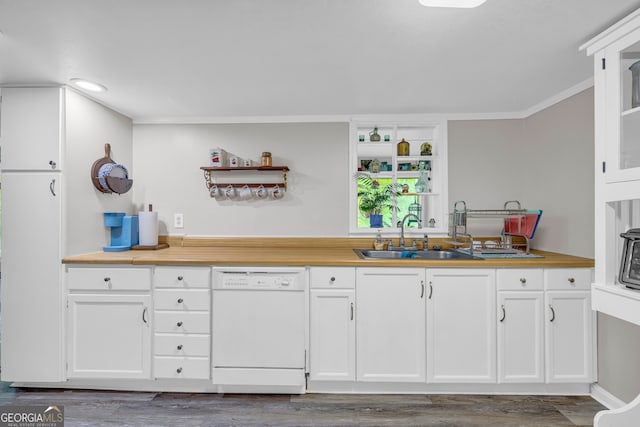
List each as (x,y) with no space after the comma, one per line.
(255,280)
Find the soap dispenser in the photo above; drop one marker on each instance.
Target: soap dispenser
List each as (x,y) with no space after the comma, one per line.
(378,243)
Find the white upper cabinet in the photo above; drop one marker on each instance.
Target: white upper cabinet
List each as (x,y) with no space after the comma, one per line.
(32,129)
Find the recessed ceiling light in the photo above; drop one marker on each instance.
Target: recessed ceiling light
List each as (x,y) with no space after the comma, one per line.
(87,85)
(452,3)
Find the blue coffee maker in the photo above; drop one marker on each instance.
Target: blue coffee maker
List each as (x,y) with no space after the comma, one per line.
(124,231)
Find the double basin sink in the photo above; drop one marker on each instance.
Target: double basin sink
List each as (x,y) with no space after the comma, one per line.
(414,254)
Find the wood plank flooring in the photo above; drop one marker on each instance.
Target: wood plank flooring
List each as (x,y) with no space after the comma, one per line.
(111,408)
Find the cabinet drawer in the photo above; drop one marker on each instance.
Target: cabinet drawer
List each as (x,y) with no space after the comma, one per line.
(181,299)
(181,345)
(101,279)
(525,279)
(181,367)
(186,323)
(182,277)
(567,278)
(333,277)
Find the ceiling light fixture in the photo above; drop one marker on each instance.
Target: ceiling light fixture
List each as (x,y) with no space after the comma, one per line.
(452,3)
(87,85)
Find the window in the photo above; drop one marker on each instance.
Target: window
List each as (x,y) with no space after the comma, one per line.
(398,169)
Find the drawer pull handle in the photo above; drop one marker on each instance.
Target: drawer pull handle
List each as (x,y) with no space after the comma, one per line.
(180,278)
(523,280)
(179,346)
(144,315)
(553,314)
(572,280)
(107,280)
(504,314)
(332,279)
(179,324)
(422,289)
(179,370)
(351,311)
(180,300)
(430,290)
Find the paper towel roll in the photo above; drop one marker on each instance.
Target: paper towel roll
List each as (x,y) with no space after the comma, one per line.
(148,226)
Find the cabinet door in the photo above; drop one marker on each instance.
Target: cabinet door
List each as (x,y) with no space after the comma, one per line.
(569,339)
(32,129)
(109,336)
(32,298)
(390,330)
(461,326)
(520,337)
(333,335)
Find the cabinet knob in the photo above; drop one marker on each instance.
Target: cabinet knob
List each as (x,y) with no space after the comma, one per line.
(523,280)
(180,278)
(107,279)
(179,346)
(180,300)
(571,280)
(179,324)
(332,279)
(52,164)
(179,370)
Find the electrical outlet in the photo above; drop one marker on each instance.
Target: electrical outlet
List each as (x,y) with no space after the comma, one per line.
(178,220)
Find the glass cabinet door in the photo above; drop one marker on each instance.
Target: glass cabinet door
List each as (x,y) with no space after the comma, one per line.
(623,148)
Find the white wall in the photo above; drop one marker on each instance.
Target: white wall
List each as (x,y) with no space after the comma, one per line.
(167,174)
(545,161)
(89,126)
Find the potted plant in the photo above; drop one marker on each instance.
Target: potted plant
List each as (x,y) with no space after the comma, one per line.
(373,200)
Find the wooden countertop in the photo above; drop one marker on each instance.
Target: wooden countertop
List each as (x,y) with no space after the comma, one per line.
(309,256)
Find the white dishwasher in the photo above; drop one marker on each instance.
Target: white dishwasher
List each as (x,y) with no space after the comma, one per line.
(258,329)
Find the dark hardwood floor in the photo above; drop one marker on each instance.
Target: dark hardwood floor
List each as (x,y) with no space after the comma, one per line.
(111,408)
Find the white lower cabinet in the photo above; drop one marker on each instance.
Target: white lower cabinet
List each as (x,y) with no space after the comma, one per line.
(520,326)
(108,322)
(109,336)
(390,326)
(461,331)
(569,326)
(182,322)
(332,328)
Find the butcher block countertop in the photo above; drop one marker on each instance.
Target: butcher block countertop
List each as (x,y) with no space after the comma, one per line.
(299,252)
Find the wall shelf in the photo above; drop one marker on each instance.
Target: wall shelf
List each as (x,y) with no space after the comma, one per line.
(209,178)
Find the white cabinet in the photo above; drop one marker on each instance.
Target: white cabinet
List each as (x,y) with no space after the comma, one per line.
(109,336)
(108,322)
(32,128)
(31,290)
(461,326)
(182,322)
(617,162)
(569,326)
(332,330)
(520,326)
(390,332)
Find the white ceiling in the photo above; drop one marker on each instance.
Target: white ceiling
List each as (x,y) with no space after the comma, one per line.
(186,59)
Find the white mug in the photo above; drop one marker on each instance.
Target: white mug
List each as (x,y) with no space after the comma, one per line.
(261,192)
(245,192)
(276,192)
(230,192)
(214,191)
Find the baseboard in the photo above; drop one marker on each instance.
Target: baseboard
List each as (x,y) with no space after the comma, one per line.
(605,398)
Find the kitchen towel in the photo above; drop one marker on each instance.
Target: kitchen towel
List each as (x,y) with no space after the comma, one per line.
(148,226)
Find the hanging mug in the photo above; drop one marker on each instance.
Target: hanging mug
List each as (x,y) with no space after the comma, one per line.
(261,192)
(214,191)
(276,192)
(245,192)
(230,192)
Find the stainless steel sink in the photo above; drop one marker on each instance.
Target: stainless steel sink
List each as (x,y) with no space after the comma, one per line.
(414,254)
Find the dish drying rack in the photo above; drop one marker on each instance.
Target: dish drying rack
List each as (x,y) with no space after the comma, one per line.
(518,222)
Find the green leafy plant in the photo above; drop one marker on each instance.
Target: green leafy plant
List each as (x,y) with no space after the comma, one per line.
(374,199)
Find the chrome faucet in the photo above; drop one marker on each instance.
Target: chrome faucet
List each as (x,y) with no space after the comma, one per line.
(402,227)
